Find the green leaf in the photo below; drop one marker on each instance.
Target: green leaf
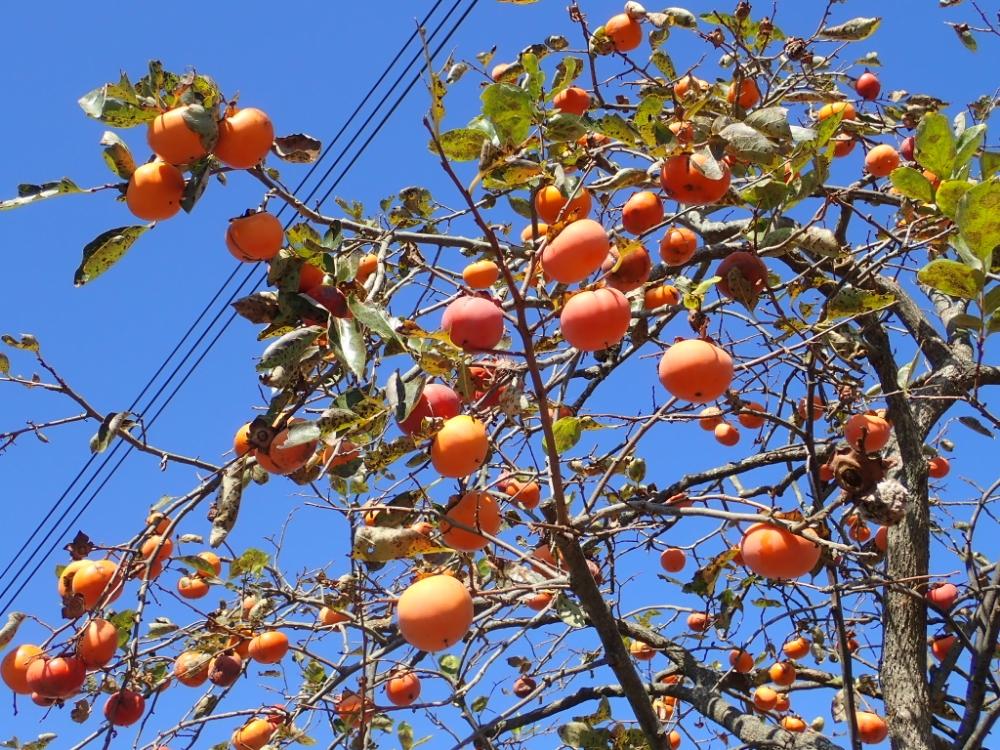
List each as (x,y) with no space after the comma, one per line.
(105,250)
(952,278)
(965,36)
(566,432)
(27,342)
(617,128)
(569,612)
(771,121)
(373,318)
(852,301)
(851,31)
(449,664)
(536,76)
(350,343)
(116,106)
(117,155)
(4,364)
(663,63)
(403,396)
(912,184)
(976,426)
(479,704)
(462,144)
(566,72)
(563,127)
(989,163)
(969,142)
(935,145)
(123,622)
(647,116)
(994,324)
(252,562)
(964,321)
(289,349)
(301,433)
(577,734)
(766,193)
(748,143)
(948,195)
(110,425)
(31,193)
(509,109)
(978,219)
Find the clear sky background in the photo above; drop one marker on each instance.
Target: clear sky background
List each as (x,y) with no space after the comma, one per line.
(307,64)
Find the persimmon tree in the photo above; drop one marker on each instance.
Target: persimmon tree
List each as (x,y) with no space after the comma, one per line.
(619,231)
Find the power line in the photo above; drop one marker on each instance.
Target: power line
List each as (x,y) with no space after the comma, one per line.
(232,316)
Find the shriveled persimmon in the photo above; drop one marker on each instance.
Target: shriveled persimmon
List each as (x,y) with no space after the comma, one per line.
(480,513)
(191,668)
(594,320)
(696,370)
(434,613)
(460,447)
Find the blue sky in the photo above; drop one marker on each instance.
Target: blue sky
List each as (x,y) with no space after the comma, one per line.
(307,68)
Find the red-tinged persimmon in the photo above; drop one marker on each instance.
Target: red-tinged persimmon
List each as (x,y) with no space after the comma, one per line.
(678,246)
(436,400)
(124,708)
(474,323)
(403,688)
(868,86)
(683,179)
(641,212)
(576,252)
(594,320)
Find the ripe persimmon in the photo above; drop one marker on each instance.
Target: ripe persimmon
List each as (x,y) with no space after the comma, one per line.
(98,643)
(434,613)
(191,587)
(481,275)
(539,600)
(269,647)
(764,698)
(241,442)
(91,580)
(14,668)
(709,418)
(782,673)
(65,583)
(58,677)
(436,400)
(796,648)
(868,86)
(881,160)
(672,560)
(245,137)
(156,548)
(832,108)
(774,552)
(793,724)
(525,494)
(528,234)
(331,616)
(632,272)
(882,538)
(641,651)
(783,703)
(366,267)
(867,431)
(594,320)
(343,452)
(907,147)
(213,561)
(698,622)
(476,510)
(624,32)
(749,93)
(741,661)
(474,323)
(742,275)
(696,370)
(843,144)
(872,728)
(678,246)
(683,180)
(310,276)
(687,84)
(726,434)
(576,252)
(642,211)
(752,416)
(941,645)
(282,459)
(191,668)
(658,296)
(674,738)
(124,708)
(253,735)
(572,100)
(154,191)
(460,447)
(938,467)
(817,411)
(943,595)
(172,139)
(257,236)
(551,205)
(403,688)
